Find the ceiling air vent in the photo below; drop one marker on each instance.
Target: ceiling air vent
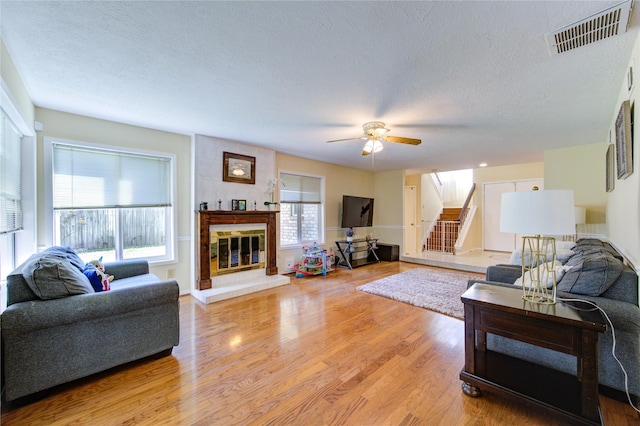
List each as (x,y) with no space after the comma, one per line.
(609,22)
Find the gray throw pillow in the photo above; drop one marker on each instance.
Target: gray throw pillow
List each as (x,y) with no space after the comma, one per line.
(65,252)
(51,277)
(590,274)
(592,242)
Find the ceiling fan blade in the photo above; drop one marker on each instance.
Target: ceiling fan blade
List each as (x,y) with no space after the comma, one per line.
(365,153)
(348,139)
(399,139)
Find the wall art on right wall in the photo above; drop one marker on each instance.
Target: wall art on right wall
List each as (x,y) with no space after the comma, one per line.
(624,141)
(611,180)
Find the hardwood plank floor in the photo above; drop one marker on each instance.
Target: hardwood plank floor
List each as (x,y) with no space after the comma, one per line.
(316,352)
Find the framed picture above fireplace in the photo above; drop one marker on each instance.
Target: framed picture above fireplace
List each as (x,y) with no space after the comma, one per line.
(238,168)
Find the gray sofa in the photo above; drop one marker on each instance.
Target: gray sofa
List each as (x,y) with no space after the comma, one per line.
(594,272)
(56,330)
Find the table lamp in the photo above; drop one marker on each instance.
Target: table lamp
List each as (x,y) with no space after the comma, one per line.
(539,215)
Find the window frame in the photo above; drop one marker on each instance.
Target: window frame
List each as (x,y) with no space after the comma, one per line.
(321,210)
(171,225)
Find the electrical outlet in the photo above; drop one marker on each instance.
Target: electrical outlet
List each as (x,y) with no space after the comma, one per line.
(288,264)
(171,273)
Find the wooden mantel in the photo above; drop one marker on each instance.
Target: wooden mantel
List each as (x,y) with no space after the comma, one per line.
(206,218)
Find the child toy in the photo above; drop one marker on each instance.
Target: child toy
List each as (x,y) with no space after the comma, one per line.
(94,270)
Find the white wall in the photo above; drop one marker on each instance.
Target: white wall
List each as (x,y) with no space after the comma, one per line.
(388,217)
(208,184)
(622,211)
(582,169)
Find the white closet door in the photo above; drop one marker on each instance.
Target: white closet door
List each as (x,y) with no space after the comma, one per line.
(494,239)
(526,185)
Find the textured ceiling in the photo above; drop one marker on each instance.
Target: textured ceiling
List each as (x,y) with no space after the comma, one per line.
(473,80)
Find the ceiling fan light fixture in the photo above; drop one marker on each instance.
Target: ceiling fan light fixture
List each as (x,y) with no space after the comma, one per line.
(374,129)
(374,134)
(372,146)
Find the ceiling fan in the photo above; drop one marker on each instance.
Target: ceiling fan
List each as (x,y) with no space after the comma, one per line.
(374,134)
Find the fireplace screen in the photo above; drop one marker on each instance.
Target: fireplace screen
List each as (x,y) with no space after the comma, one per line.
(235,251)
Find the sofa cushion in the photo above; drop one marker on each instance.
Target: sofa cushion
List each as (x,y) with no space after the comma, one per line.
(594,242)
(562,255)
(135,281)
(51,277)
(591,245)
(590,273)
(546,275)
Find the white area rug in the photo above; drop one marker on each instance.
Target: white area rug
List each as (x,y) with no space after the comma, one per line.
(436,290)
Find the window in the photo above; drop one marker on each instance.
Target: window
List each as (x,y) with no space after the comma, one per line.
(301,209)
(112,203)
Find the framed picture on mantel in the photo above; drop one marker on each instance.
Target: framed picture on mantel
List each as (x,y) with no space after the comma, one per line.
(238,168)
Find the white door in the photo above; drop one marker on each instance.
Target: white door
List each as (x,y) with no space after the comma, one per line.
(410,229)
(526,185)
(492,199)
(493,238)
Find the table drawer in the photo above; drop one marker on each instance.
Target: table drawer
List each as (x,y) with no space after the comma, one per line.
(558,337)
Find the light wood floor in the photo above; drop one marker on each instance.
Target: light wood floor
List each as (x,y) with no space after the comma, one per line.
(316,352)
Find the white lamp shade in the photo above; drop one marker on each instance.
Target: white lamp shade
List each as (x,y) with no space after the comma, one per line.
(548,212)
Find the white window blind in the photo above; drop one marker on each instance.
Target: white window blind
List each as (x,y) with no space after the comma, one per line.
(10,183)
(93,178)
(300,189)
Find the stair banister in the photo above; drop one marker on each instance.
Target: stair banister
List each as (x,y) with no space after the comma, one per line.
(465,206)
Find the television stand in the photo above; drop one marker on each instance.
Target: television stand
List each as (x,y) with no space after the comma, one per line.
(347,252)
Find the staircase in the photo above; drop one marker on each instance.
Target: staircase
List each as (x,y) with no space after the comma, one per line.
(444,234)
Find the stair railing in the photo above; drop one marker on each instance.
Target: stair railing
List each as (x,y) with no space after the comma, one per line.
(465,206)
(426,231)
(445,232)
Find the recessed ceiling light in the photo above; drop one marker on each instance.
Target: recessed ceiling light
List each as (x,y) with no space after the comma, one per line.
(482,165)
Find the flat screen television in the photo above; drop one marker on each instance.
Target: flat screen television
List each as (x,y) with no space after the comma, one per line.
(356,211)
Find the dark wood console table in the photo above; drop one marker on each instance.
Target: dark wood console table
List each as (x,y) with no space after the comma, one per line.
(502,311)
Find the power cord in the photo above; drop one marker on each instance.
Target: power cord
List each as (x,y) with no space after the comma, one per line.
(613,347)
